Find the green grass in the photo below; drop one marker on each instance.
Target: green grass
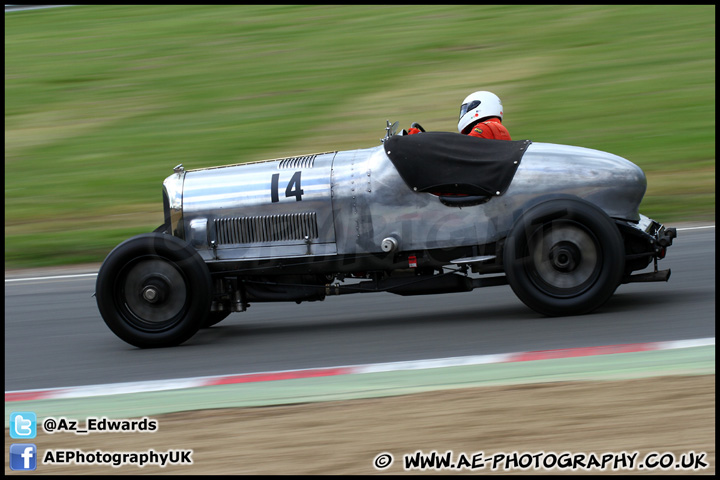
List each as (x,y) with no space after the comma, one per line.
(102,101)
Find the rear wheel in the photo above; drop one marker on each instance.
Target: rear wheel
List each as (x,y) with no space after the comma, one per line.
(154,290)
(564,257)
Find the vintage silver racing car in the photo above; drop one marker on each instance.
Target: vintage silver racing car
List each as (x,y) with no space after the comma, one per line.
(420,214)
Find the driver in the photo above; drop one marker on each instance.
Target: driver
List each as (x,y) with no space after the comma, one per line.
(481,116)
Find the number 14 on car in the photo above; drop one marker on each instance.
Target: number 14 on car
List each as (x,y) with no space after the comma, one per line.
(293,188)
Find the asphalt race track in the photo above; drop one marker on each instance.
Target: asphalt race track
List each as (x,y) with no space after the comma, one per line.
(55,337)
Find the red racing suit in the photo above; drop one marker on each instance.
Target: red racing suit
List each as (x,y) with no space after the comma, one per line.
(490,128)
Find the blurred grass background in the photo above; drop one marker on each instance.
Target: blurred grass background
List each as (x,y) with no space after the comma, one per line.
(101,102)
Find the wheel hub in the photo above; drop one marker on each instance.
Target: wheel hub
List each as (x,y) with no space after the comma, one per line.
(154,291)
(565,257)
(150,294)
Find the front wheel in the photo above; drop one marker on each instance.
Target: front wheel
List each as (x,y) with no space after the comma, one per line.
(564,257)
(154,290)
(214,318)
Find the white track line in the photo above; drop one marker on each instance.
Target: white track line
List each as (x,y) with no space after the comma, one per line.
(695,228)
(57,277)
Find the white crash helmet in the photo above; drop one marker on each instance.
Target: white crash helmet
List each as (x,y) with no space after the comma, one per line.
(477,106)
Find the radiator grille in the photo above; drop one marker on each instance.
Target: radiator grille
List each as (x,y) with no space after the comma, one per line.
(297,162)
(268,228)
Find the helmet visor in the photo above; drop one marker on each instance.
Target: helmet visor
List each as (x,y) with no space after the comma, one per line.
(466,107)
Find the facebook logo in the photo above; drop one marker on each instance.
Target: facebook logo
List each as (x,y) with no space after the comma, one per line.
(23,456)
(23,425)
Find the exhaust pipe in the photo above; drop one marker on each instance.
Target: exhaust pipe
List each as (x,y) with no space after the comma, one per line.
(661,276)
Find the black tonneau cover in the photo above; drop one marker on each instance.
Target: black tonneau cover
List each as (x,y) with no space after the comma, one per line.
(444,162)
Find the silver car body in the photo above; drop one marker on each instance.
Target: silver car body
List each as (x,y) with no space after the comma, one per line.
(354,200)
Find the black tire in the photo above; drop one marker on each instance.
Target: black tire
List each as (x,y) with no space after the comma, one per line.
(564,257)
(154,290)
(214,318)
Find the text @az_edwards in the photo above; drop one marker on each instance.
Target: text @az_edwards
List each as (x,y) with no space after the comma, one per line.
(94,424)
